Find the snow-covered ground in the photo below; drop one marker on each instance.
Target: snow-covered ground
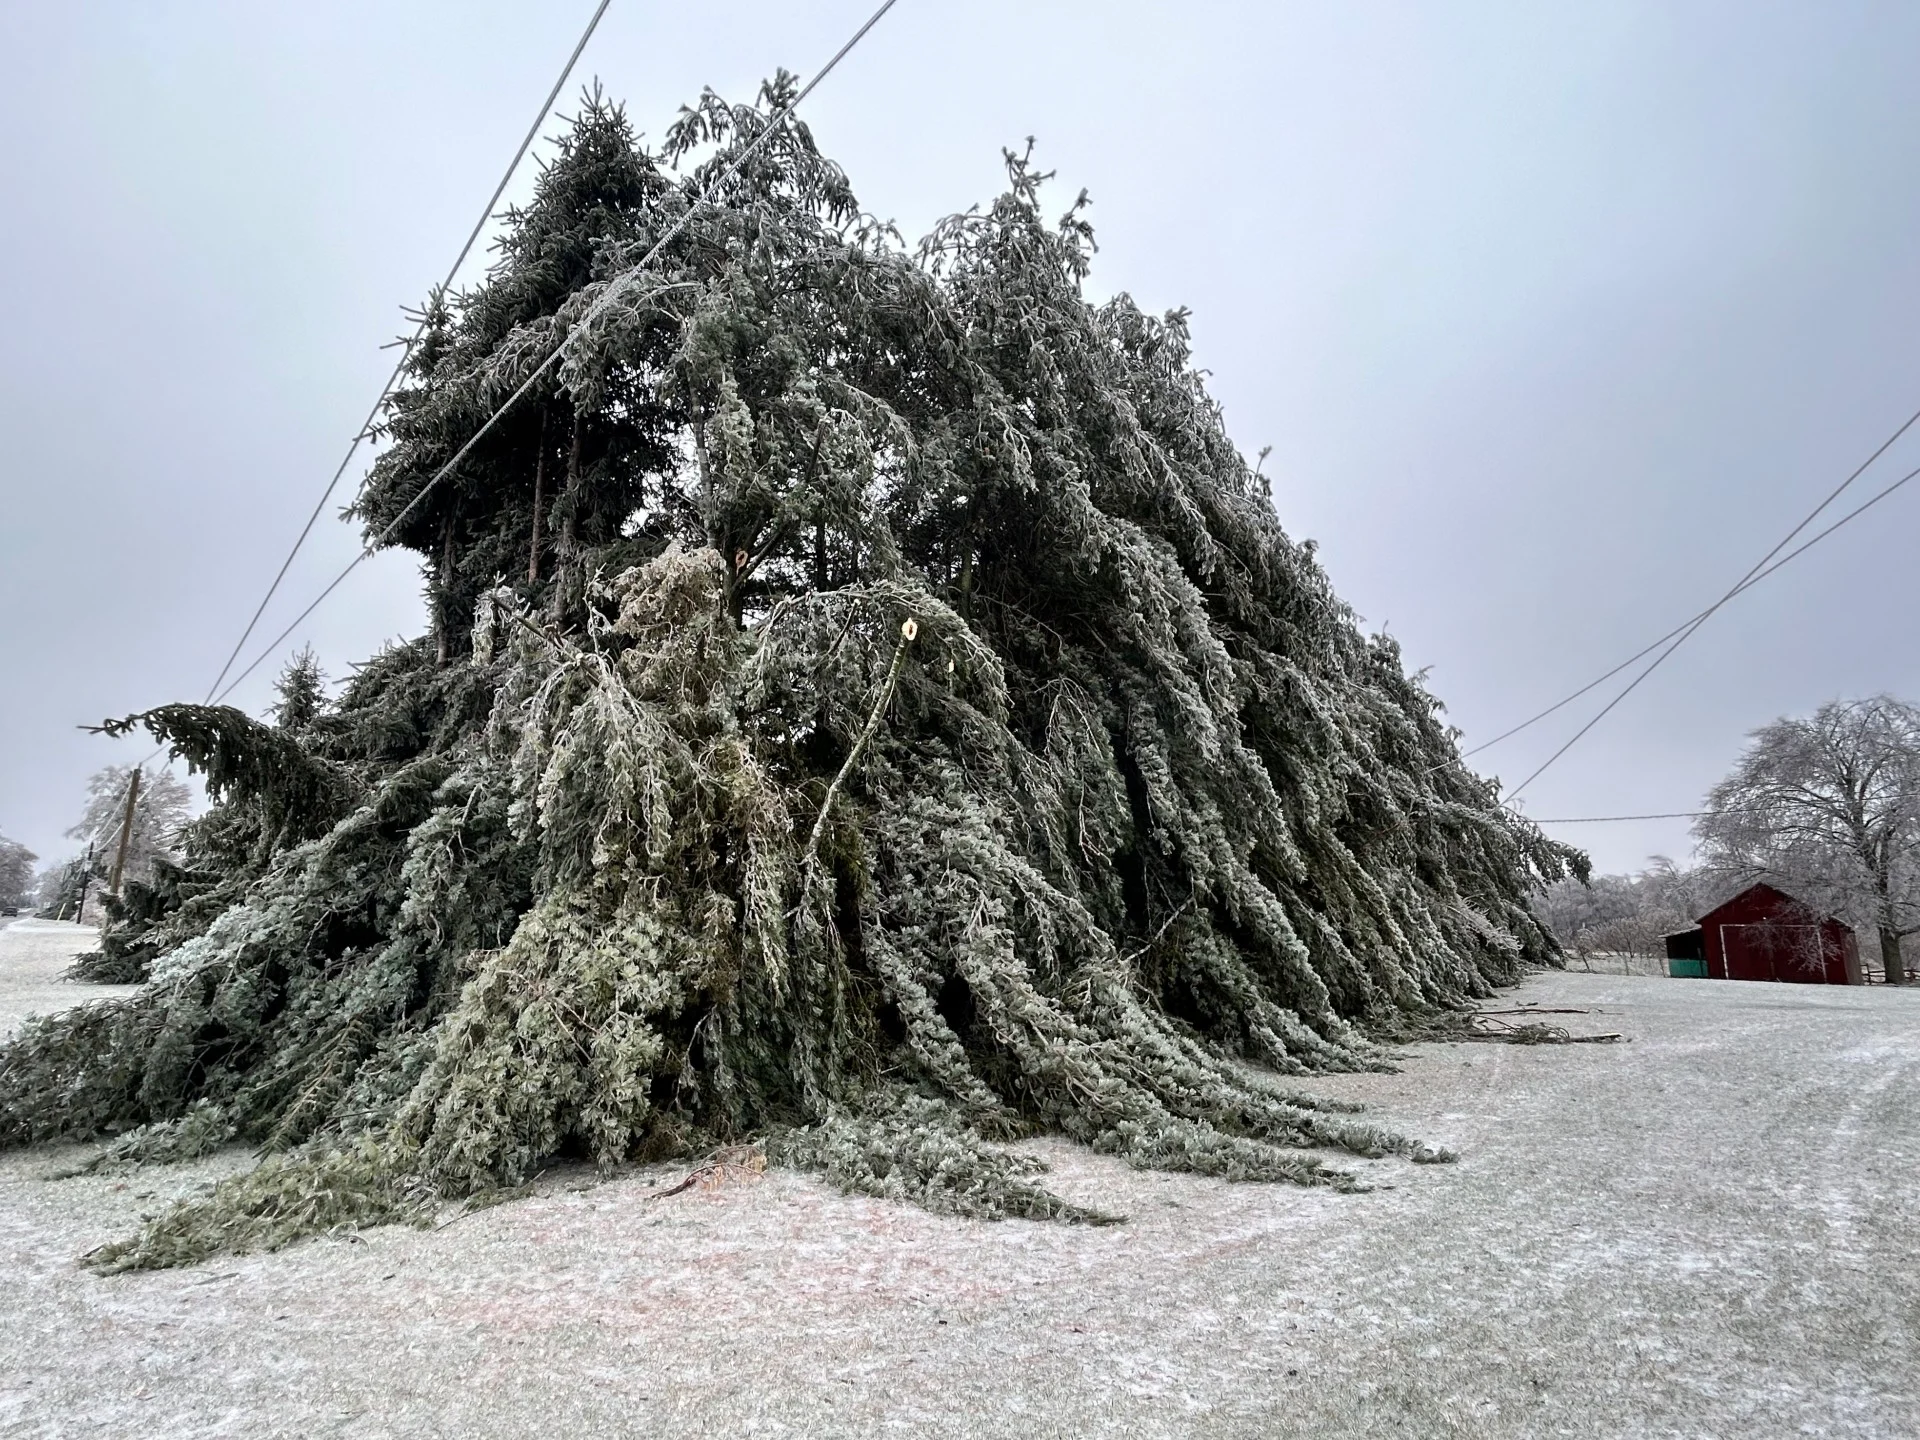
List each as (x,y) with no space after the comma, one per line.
(33,954)
(1712,1230)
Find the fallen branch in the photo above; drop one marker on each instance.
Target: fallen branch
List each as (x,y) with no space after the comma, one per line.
(1534,1010)
(734,1162)
(1500,1032)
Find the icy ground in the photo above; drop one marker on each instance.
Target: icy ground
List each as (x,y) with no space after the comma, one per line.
(1713,1230)
(33,953)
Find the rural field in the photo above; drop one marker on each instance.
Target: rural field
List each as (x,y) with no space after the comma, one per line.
(1709,1230)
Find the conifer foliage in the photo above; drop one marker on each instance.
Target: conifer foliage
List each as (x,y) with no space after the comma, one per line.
(870,707)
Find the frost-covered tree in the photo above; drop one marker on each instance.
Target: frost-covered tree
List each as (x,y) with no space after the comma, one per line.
(567,468)
(1828,809)
(16,872)
(1629,914)
(162,808)
(870,707)
(56,890)
(300,694)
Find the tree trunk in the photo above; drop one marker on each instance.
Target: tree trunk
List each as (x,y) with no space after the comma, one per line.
(706,484)
(569,528)
(1890,954)
(443,600)
(1888,919)
(86,874)
(539,502)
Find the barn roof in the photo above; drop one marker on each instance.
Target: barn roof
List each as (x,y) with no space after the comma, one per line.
(1762,891)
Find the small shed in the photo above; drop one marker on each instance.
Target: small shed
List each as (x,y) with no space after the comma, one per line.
(1765,934)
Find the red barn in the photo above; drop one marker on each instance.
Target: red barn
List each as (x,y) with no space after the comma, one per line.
(1765,934)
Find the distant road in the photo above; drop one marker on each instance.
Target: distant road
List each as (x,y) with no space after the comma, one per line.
(34,953)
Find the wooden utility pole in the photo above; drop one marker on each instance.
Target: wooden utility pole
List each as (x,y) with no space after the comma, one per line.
(86,874)
(126,833)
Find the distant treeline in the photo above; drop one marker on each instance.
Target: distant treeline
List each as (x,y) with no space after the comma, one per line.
(1630,914)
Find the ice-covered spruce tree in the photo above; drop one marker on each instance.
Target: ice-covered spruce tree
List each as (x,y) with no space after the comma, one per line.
(870,707)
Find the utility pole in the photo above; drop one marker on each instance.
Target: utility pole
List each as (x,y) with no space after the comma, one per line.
(126,832)
(86,875)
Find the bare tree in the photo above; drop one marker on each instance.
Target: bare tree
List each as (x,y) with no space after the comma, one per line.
(1828,809)
(1625,914)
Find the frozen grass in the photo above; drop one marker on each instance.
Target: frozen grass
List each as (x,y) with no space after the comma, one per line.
(1708,1231)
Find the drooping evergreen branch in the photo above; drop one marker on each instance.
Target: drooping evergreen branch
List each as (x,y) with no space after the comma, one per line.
(247,763)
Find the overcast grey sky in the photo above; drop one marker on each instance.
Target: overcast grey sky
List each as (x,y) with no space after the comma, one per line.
(1556,316)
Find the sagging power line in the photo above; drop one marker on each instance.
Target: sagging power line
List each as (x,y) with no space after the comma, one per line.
(1677,637)
(1641,654)
(1612,819)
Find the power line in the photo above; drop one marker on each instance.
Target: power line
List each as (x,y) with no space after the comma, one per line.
(1786,559)
(615,287)
(366,427)
(1759,571)
(1752,577)
(1686,632)
(1663,815)
(1610,819)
